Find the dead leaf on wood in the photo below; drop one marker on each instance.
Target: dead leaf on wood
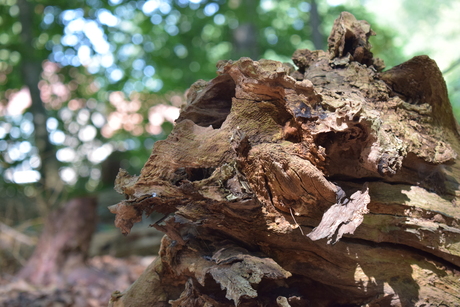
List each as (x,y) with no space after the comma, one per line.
(343,217)
(237,271)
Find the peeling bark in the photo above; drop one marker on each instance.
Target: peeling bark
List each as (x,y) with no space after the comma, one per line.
(337,150)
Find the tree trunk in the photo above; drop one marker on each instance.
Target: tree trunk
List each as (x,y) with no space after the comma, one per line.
(31,68)
(315,22)
(245,35)
(62,251)
(331,185)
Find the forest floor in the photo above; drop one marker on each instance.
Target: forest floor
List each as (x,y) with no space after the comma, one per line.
(115,262)
(93,288)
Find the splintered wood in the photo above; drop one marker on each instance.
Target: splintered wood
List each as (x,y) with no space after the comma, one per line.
(352,155)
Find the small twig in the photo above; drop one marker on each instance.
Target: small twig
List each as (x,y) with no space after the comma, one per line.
(297,224)
(451,67)
(15,235)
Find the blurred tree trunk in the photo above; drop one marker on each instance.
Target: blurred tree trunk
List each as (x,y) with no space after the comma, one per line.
(62,250)
(31,70)
(245,37)
(63,246)
(331,185)
(315,22)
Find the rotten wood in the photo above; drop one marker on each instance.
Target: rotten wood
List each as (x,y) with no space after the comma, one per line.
(347,153)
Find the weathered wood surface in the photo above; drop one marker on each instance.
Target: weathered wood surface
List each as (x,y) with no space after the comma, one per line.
(335,184)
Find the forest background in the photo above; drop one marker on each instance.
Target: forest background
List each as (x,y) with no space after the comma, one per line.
(89,86)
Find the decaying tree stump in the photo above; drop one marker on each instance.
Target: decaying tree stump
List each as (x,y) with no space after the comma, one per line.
(335,184)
